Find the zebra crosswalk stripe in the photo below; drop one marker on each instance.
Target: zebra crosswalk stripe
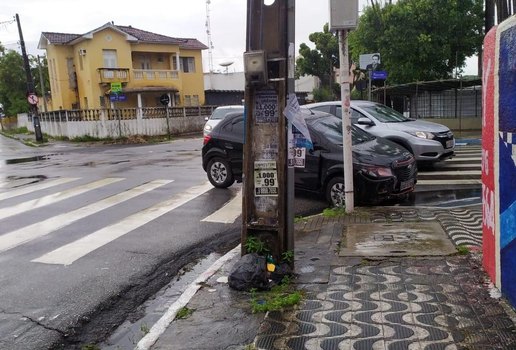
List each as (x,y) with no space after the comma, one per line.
(37,187)
(26,234)
(229,212)
(54,198)
(69,253)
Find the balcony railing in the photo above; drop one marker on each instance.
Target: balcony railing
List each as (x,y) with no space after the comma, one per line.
(155,74)
(110,75)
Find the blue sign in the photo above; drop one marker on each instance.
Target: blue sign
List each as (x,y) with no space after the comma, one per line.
(117,97)
(379,75)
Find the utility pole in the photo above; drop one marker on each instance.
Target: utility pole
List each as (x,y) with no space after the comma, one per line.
(268,193)
(31,91)
(42,84)
(343,17)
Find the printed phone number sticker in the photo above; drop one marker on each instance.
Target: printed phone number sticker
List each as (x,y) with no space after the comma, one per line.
(265,178)
(266,107)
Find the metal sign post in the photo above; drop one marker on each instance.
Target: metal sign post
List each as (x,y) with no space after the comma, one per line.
(344,17)
(345,95)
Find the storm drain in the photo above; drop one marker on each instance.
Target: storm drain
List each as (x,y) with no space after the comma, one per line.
(395,239)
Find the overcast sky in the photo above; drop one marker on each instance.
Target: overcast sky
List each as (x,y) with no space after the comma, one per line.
(175,18)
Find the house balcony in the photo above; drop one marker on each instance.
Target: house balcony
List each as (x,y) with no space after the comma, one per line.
(155,75)
(111,75)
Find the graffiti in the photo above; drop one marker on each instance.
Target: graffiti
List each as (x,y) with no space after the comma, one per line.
(485,161)
(488,208)
(485,82)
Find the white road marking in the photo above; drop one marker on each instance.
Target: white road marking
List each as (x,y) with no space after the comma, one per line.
(42,228)
(464,159)
(69,253)
(159,327)
(458,165)
(449,182)
(452,173)
(53,198)
(36,187)
(229,212)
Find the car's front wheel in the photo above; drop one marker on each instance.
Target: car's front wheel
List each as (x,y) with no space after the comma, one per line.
(219,173)
(335,194)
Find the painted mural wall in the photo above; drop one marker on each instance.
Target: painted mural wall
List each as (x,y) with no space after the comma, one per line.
(499,157)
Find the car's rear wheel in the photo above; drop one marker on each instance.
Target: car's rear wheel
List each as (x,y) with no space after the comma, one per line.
(335,194)
(219,173)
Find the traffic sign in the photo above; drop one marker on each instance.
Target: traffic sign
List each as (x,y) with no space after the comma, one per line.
(117,97)
(116,87)
(379,75)
(33,99)
(164,99)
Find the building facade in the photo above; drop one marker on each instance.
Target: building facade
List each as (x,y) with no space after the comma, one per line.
(123,67)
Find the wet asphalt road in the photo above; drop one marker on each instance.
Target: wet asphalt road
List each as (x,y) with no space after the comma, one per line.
(44,305)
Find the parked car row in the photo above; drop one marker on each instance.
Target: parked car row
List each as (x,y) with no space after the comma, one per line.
(428,142)
(381,168)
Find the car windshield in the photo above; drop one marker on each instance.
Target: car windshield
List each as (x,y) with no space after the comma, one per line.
(331,128)
(220,113)
(385,114)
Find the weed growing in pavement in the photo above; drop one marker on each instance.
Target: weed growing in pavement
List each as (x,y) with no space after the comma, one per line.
(22,130)
(255,245)
(90,347)
(144,328)
(279,297)
(299,219)
(334,212)
(287,256)
(463,250)
(185,312)
(250,347)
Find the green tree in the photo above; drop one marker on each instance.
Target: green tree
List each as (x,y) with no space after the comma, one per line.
(320,61)
(420,39)
(13,85)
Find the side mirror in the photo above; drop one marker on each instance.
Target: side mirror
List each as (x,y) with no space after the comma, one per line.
(365,121)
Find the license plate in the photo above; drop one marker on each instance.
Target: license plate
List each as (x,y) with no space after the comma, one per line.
(406,184)
(450,143)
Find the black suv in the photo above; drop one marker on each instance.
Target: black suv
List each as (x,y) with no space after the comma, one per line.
(381,168)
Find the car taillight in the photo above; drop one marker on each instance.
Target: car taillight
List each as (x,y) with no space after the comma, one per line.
(207,138)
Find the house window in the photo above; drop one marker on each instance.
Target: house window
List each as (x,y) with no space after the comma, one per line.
(187,64)
(145,62)
(188,100)
(194,101)
(110,59)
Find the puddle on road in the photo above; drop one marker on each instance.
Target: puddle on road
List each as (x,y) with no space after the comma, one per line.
(30,159)
(25,160)
(19,181)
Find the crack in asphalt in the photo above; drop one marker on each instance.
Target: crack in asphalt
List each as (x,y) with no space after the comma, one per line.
(60,332)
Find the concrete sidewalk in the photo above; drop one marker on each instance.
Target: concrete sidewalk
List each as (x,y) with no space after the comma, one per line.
(412,301)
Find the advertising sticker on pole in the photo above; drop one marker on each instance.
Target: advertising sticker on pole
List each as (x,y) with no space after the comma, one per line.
(266,107)
(299,137)
(265,178)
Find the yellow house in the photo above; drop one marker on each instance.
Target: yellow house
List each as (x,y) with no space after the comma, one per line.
(123,67)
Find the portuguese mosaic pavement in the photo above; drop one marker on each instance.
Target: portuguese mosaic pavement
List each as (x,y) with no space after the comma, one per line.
(412,302)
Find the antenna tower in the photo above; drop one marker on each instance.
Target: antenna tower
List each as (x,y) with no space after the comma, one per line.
(208,32)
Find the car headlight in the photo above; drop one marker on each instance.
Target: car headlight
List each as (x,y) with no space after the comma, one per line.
(423,134)
(375,172)
(208,128)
